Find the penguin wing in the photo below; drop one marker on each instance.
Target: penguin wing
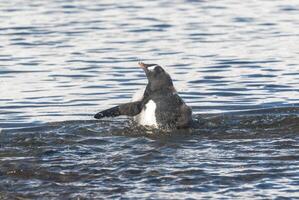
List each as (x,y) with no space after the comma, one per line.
(130,109)
(185,119)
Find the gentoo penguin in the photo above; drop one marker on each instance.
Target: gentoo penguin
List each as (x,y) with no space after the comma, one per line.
(159,107)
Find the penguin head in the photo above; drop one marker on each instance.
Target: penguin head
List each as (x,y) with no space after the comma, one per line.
(158,78)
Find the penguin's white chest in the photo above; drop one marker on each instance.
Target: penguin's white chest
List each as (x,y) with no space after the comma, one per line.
(147,117)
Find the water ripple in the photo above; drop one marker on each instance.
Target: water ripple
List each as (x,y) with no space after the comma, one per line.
(63,61)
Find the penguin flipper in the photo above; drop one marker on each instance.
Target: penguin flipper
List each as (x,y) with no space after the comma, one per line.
(130,109)
(111,112)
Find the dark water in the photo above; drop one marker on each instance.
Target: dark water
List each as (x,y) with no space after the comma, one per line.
(235,62)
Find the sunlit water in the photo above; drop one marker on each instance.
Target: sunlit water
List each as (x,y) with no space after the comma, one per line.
(235,62)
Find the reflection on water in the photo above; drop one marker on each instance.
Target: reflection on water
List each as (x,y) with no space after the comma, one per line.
(65,60)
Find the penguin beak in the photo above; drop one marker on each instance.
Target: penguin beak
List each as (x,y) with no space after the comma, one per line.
(145,66)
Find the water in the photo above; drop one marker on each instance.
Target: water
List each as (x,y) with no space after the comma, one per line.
(235,62)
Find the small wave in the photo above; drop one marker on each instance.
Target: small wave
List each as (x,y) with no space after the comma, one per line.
(246,124)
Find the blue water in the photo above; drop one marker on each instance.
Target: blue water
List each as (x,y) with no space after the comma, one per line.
(234,62)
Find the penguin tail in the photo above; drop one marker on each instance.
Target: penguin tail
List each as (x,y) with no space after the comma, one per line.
(130,109)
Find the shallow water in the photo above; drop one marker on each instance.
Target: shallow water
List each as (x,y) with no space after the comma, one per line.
(236,64)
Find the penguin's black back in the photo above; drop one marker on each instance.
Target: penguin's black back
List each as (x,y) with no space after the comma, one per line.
(168,108)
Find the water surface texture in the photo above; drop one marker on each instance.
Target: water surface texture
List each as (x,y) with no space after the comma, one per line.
(234,62)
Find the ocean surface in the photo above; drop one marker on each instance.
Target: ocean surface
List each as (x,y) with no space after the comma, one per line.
(236,63)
